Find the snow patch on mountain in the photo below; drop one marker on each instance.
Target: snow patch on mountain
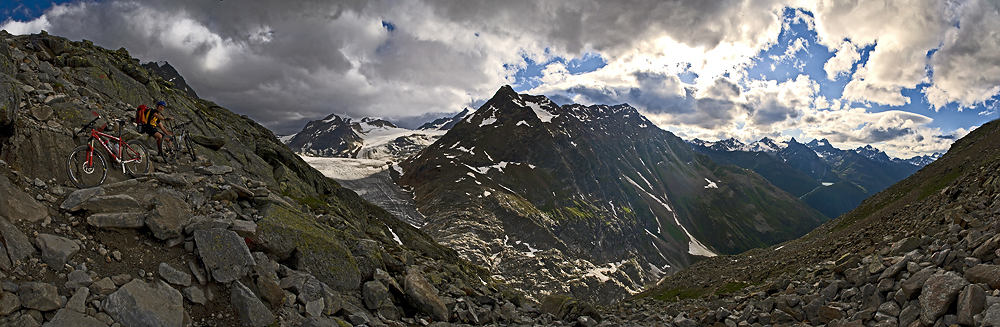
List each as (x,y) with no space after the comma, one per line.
(544,115)
(711,184)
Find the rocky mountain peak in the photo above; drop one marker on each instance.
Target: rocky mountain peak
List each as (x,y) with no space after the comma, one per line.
(873,153)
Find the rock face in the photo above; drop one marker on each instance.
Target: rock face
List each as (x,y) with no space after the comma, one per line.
(591,190)
(251,311)
(146,304)
(224,253)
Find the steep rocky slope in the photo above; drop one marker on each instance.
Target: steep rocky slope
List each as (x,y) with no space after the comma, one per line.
(247,234)
(922,252)
(598,196)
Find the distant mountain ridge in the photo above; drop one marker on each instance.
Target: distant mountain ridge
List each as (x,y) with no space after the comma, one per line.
(598,195)
(831,180)
(367,138)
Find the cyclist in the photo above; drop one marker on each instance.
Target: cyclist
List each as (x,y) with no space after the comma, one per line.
(154,128)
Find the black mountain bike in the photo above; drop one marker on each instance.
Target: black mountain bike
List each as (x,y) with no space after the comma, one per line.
(178,143)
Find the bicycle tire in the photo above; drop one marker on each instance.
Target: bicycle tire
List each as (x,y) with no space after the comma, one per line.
(80,174)
(169,154)
(136,158)
(190,148)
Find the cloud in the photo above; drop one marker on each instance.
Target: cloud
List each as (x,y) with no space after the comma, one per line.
(841,63)
(967,68)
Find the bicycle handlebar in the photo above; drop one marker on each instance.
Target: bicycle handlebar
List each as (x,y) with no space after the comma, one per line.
(85,126)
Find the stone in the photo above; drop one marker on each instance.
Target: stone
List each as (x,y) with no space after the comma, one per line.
(893,270)
(76,199)
(9,302)
(991,317)
(198,273)
(317,248)
(244,228)
(17,205)
(910,313)
(146,304)
(915,283)
(988,274)
(224,253)
(249,308)
(79,277)
(121,279)
(174,276)
(827,314)
(376,295)
(42,113)
(905,245)
(175,180)
(39,296)
(169,216)
(315,308)
(890,309)
(56,250)
(214,170)
(103,287)
(938,293)
(78,302)
(586,321)
(70,318)
(971,302)
(111,203)
(423,296)
(271,292)
(18,245)
(195,294)
(117,220)
(986,250)
(322,322)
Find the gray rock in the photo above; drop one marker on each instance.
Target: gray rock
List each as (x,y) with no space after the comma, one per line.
(988,274)
(971,302)
(910,313)
(17,205)
(586,321)
(315,308)
(890,309)
(79,277)
(103,287)
(117,220)
(249,308)
(169,216)
(175,180)
(18,245)
(174,276)
(195,294)
(70,318)
(915,283)
(39,296)
(9,302)
(146,304)
(121,279)
(198,273)
(214,170)
(827,314)
(224,253)
(938,293)
(321,322)
(905,245)
(42,113)
(78,302)
(111,203)
(244,228)
(76,199)
(376,295)
(423,296)
(893,270)
(991,317)
(56,250)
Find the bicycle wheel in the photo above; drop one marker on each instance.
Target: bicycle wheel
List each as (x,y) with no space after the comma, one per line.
(84,173)
(190,148)
(169,152)
(136,158)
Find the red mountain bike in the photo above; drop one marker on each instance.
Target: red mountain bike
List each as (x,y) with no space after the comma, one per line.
(87,167)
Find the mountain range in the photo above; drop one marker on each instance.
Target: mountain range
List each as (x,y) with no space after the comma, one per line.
(832,180)
(598,195)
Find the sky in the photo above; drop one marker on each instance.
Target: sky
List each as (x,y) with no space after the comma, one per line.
(908,77)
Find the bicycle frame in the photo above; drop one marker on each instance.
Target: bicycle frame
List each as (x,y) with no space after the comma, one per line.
(105,140)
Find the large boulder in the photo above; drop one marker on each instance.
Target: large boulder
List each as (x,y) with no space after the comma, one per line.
(224,253)
(988,274)
(17,245)
(76,199)
(39,296)
(567,308)
(169,216)
(146,304)
(423,296)
(319,249)
(17,205)
(70,318)
(937,295)
(249,308)
(111,203)
(117,220)
(56,250)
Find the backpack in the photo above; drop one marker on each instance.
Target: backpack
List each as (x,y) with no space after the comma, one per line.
(142,114)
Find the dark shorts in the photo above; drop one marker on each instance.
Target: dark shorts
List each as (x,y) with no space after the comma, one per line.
(148,129)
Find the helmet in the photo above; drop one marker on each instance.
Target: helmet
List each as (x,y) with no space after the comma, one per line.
(161,103)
